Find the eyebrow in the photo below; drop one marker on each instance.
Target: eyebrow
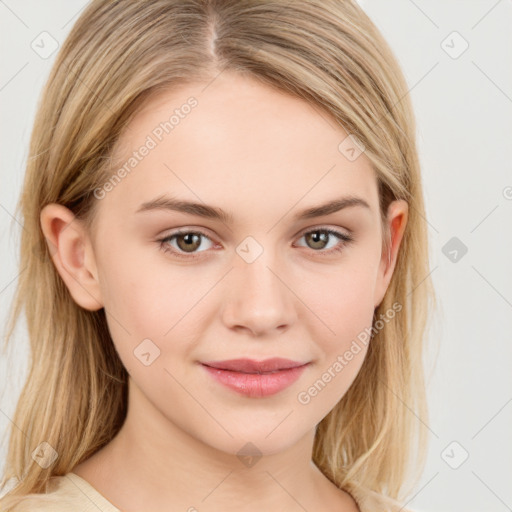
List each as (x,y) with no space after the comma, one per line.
(216,213)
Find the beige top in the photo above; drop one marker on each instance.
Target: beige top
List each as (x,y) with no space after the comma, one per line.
(71,493)
(68,493)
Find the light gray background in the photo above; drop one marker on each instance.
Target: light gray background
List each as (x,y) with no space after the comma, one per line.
(464,112)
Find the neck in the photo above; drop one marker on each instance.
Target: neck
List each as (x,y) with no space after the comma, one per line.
(153,464)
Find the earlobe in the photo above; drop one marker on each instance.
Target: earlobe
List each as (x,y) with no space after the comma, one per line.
(72,255)
(397,221)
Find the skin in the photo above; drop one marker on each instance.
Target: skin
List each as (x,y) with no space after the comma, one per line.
(263,156)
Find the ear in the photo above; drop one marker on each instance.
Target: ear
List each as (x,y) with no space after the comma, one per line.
(396,221)
(72,254)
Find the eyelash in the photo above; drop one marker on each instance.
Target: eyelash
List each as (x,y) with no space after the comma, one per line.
(344,238)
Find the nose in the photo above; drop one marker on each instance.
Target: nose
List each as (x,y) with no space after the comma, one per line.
(259,298)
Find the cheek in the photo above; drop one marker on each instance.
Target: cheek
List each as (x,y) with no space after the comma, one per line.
(342,300)
(355,302)
(345,308)
(144,301)
(344,304)
(139,294)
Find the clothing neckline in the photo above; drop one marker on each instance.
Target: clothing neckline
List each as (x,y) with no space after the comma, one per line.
(91,492)
(106,506)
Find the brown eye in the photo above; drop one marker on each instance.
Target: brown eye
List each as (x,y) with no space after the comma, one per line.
(188,242)
(185,243)
(318,240)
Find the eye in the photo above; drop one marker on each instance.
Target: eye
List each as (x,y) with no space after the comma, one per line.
(318,238)
(188,242)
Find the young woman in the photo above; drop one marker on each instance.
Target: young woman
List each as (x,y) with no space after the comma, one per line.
(226,265)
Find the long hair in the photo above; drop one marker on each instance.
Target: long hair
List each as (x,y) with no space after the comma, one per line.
(117,55)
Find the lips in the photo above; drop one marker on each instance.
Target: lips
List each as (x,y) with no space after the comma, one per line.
(251,366)
(255,379)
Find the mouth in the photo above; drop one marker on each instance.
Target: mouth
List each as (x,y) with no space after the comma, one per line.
(244,365)
(255,378)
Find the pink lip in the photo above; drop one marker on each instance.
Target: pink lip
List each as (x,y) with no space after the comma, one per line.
(255,378)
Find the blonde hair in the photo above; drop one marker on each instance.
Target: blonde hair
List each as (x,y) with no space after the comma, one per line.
(118,54)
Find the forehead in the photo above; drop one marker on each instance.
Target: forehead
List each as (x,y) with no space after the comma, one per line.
(239,144)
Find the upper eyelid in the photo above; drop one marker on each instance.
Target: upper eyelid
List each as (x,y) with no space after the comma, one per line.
(321,227)
(301,233)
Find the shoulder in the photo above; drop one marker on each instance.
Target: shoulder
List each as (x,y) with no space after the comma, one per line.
(66,493)
(371,501)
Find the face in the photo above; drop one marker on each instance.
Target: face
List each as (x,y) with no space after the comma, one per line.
(260,280)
